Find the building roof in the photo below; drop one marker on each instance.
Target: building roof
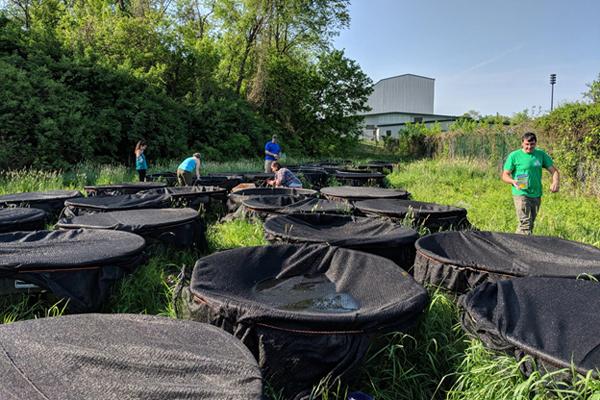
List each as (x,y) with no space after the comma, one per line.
(424,122)
(401,75)
(408,113)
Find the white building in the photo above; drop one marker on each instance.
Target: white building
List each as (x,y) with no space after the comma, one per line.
(398,100)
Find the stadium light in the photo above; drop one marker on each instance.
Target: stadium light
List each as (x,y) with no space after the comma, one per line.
(552,82)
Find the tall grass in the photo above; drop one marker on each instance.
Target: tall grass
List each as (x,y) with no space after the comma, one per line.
(32,180)
(236,165)
(149,290)
(485,374)
(237,233)
(19,307)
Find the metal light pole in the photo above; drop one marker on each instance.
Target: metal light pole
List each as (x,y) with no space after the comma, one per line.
(552,82)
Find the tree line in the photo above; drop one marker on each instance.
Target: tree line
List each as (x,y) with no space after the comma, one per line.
(86,79)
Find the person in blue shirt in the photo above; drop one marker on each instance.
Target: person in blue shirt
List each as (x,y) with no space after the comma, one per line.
(141,165)
(272,153)
(283,177)
(185,171)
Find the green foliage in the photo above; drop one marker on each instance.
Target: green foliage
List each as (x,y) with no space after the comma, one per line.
(593,94)
(228,127)
(526,116)
(465,125)
(237,233)
(574,130)
(85,80)
(53,111)
(316,105)
(483,143)
(149,290)
(19,307)
(413,139)
(485,374)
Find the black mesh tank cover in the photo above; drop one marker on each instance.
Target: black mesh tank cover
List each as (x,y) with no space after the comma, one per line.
(355,193)
(124,357)
(555,320)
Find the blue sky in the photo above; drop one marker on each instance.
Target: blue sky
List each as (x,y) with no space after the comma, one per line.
(488,56)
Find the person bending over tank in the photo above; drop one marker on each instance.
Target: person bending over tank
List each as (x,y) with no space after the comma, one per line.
(186,170)
(523,171)
(283,177)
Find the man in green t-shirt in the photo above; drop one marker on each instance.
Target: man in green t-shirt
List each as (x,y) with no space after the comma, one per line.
(523,171)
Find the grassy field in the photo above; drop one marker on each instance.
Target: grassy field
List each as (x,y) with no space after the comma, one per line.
(434,361)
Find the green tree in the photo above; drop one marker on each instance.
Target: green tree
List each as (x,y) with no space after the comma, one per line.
(317,104)
(593,94)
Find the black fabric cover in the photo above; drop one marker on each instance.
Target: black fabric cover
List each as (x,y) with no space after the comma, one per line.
(350,170)
(352,193)
(248,177)
(51,201)
(123,357)
(170,178)
(462,260)
(554,320)
(136,201)
(192,196)
(78,265)
(359,178)
(221,180)
(21,219)
(263,206)
(271,203)
(332,168)
(295,348)
(257,177)
(316,176)
(122,188)
(374,236)
(236,198)
(179,227)
(333,162)
(313,205)
(430,215)
(378,166)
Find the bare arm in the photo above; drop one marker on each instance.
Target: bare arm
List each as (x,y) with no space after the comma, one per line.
(197,168)
(276,155)
(507,178)
(278,179)
(555,186)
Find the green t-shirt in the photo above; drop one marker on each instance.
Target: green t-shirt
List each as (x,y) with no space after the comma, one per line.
(527,170)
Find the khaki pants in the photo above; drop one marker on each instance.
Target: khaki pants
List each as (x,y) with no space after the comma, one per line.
(527,209)
(184,178)
(268,166)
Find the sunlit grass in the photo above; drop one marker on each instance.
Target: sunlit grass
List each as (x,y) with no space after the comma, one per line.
(237,233)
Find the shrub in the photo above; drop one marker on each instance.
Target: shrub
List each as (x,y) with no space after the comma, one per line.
(574,130)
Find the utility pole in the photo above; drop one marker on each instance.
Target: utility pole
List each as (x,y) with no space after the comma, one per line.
(552,82)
